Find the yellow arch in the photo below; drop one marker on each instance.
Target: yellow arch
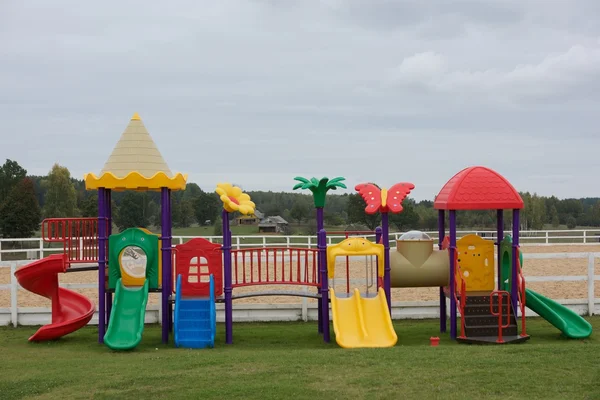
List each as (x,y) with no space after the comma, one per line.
(354,247)
(135,181)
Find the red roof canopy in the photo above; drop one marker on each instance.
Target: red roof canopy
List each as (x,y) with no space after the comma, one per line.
(478,188)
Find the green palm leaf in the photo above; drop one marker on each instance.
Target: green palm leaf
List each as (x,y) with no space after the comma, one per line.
(304,183)
(319,188)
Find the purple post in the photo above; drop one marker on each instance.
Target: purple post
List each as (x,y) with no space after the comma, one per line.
(227,277)
(500,236)
(515,253)
(322,240)
(387,279)
(378,233)
(166,259)
(441,234)
(378,236)
(108,214)
(169,273)
(320,224)
(101,265)
(452,254)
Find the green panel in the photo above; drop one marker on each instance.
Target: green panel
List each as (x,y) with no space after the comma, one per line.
(506,262)
(126,323)
(133,237)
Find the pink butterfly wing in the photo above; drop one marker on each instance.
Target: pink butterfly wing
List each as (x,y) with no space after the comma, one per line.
(396,195)
(371,195)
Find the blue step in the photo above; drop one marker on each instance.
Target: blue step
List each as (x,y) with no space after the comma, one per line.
(194,319)
(191,304)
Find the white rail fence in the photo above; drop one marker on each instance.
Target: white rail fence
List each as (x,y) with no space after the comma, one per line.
(305,311)
(36,248)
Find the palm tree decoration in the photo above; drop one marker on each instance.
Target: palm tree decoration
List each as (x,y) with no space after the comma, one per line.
(319,191)
(320,188)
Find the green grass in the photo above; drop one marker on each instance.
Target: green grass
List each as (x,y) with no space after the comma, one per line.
(289,360)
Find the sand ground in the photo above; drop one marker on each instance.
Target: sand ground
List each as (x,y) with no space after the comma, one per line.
(357,268)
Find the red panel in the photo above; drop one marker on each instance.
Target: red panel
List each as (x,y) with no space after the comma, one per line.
(195,261)
(478,188)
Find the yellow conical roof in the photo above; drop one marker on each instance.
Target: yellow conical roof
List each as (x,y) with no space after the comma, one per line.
(135,163)
(136,151)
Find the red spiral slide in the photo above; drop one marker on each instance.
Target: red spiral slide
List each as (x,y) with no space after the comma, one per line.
(70,310)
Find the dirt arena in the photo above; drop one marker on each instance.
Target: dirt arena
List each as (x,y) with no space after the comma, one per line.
(554,290)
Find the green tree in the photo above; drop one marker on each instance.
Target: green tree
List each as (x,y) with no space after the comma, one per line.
(571,222)
(334,219)
(88,206)
(20,213)
(153,213)
(182,213)
(357,214)
(218,226)
(299,212)
(537,214)
(191,192)
(428,218)
(11,173)
(206,207)
(61,198)
(554,220)
(131,212)
(406,220)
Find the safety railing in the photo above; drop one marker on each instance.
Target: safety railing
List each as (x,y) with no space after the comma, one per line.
(522,292)
(274,266)
(500,294)
(460,286)
(79,237)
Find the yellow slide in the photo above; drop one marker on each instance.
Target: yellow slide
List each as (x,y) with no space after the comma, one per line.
(362,322)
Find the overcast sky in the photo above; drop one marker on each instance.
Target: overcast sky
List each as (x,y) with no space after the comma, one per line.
(257,92)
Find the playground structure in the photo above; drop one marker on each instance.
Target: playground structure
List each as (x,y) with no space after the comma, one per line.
(194,276)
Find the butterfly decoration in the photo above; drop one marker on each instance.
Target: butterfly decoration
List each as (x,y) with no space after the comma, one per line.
(384,200)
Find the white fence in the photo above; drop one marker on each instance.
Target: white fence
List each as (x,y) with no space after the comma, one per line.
(36,248)
(15,315)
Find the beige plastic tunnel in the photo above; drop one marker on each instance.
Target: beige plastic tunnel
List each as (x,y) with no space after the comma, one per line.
(415,263)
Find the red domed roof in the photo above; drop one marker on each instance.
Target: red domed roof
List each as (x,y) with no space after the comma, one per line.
(478,188)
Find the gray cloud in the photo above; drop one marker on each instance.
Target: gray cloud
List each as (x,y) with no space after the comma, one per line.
(257,92)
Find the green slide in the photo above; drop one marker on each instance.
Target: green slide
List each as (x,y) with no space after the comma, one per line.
(127,317)
(567,321)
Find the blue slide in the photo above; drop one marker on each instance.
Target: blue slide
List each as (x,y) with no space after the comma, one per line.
(195,319)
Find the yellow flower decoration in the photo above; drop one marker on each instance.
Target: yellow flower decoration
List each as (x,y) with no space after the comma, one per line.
(234,199)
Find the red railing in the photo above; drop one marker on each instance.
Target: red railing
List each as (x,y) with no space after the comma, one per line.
(501,294)
(348,234)
(460,286)
(274,266)
(79,237)
(522,300)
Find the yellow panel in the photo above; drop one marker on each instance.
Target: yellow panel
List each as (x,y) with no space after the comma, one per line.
(135,181)
(127,279)
(354,247)
(476,260)
(362,322)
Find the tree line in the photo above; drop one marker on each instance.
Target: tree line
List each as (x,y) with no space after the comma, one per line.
(26,199)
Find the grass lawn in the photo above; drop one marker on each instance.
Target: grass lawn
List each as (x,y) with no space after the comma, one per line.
(289,360)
